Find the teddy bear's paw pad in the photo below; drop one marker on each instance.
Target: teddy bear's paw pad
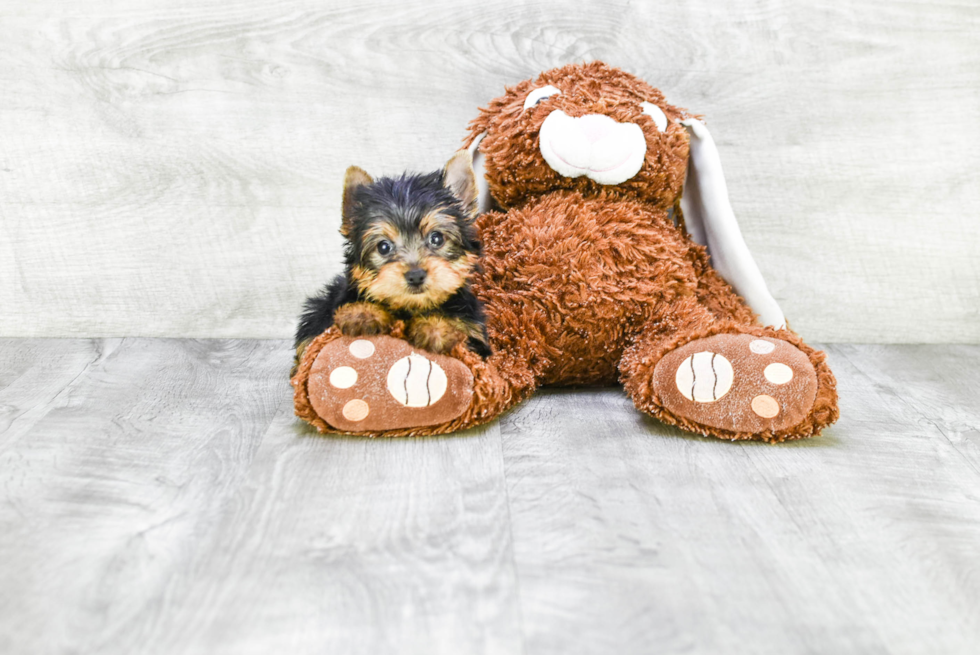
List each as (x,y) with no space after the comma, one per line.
(373,384)
(737,382)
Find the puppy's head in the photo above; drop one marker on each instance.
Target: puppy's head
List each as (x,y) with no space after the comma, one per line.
(411,242)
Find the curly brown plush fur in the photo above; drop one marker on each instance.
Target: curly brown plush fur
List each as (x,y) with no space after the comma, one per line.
(515,168)
(585,283)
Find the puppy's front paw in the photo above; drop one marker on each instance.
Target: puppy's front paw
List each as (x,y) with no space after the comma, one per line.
(437,334)
(362,319)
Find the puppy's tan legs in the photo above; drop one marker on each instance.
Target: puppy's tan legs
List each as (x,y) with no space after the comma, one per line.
(439,334)
(362,319)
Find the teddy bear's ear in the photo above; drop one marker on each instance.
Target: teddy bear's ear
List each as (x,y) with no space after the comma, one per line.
(483,201)
(711,222)
(458,176)
(355,177)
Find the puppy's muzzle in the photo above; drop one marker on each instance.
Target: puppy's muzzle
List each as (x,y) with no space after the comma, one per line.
(415,278)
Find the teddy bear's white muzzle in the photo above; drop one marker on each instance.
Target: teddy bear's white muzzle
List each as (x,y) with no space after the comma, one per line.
(595,145)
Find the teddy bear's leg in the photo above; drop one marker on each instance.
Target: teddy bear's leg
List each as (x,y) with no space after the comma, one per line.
(728,379)
(715,294)
(383,386)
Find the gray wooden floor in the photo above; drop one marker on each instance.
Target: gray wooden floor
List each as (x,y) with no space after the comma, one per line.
(159,497)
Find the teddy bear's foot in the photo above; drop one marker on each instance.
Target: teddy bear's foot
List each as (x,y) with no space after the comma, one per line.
(381,383)
(740,384)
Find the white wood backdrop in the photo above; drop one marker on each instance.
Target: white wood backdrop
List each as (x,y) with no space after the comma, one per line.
(173,168)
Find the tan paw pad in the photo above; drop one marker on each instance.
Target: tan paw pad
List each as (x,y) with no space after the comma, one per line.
(737,382)
(381,383)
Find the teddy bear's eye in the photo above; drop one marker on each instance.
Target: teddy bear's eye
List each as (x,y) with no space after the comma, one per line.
(537,95)
(656,113)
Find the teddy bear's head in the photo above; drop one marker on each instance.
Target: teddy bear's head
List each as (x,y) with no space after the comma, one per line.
(589,128)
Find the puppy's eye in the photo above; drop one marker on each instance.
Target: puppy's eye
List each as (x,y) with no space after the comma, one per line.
(656,113)
(384,247)
(540,95)
(436,239)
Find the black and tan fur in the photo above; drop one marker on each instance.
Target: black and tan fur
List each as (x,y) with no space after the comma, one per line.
(410,251)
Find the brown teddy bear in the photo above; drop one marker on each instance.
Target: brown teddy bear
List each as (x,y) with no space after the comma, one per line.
(596,197)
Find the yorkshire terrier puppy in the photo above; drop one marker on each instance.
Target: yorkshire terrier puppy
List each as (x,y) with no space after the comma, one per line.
(411,246)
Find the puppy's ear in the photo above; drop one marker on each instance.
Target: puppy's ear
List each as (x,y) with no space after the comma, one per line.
(458,177)
(354,178)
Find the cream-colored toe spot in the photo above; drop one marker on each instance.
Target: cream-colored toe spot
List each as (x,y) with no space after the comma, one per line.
(356,410)
(362,348)
(765,406)
(343,377)
(704,377)
(762,347)
(415,381)
(778,373)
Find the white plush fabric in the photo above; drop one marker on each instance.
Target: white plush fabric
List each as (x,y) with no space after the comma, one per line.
(594,145)
(657,114)
(483,201)
(539,94)
(711,222)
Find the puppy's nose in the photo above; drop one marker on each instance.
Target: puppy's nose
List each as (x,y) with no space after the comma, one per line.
(415,276)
